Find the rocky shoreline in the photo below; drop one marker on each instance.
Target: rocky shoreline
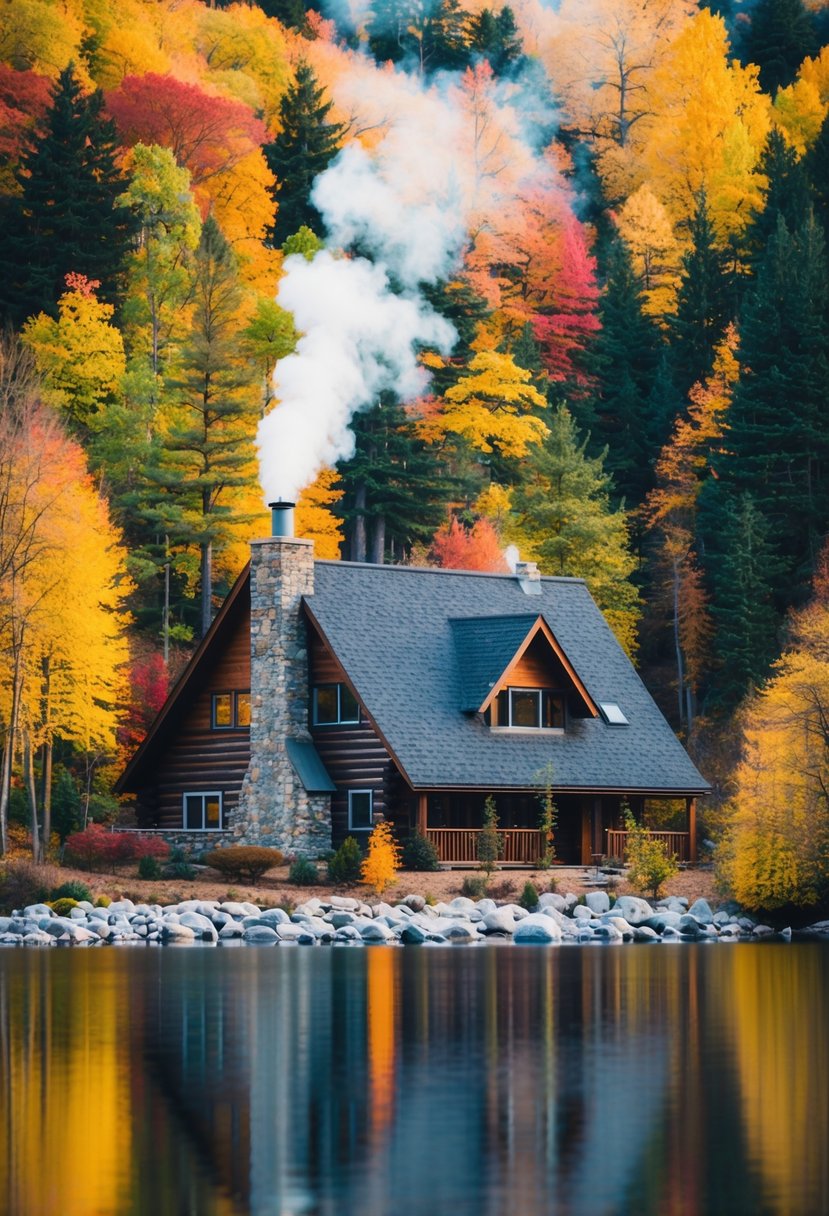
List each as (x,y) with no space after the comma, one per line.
(340,920)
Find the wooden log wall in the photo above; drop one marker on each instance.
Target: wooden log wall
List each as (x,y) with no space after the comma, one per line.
(198,758)
(538,667)
(353,754)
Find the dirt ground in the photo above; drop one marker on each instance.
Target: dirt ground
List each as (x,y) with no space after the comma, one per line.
(275,889)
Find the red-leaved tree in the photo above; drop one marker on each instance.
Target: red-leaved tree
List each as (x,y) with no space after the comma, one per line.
(477,548)
(24,99)
(206,134)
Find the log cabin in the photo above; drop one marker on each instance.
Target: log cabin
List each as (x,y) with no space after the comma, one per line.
(327,694)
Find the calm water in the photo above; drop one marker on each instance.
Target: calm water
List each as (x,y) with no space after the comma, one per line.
(667,1080)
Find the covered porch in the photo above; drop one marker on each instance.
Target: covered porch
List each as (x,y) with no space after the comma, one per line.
(589,826)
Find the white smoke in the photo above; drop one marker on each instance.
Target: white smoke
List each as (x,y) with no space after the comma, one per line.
(440,168)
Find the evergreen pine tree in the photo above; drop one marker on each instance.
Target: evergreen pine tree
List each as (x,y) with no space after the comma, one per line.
(787,196)
(778,40)
(743,570)
(495,37)
(817,166)
(395,488)
(207,450)
(625,355)
(304,147)
(431,34)
(777,444)
(65,219)
(563,519)
(704,302)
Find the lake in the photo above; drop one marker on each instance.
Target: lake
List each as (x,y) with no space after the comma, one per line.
(671,1080)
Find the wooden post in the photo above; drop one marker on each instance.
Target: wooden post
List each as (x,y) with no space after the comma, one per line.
(691,822)
(421,814)
(586,832)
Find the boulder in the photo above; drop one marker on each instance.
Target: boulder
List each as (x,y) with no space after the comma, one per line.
(232,931)
(550,899)
(274,917)
(38,938)
(762,931)
(460,931)
(701,910)
(413,934)
(643,933)
(338,918)
(461,906)
(500,921)
(660,921)
(173,931)
(126,906)
(636,911)
(689,926)
(485,906)
(202,926)
(259,935)
(344,903)
(623,927)
(583,913)
(347,933)
(537,928)
(606,932)
(236,910)
(301,934)
(375,932)
(37,911)
(597,901)
(416,902)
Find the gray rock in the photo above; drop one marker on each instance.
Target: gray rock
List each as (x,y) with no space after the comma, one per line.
(636,911)
(236,910)
(537,927)
(461,906)
(643,933)
(220,919)
(403,911)
(515,911)
(786,934)
(460,931)
(673,903)
(485,906)
(203,928)
(260,935)
(122,905)
(416,902)
(582,913)
(551,899)
(291,933)
(597,901)
(275,916)
(413,934)
(5,924)
(233,930)
(571,901)
(38,938)
(721,917)
(347,933)
(762,931)
(701,909)
(661,921)
(689,926)
(37,912)
(344,903)
(606,932)
(375,931)
(338,918)
(622,926)
(500,921)
(172,931)
(820,928)
(98,914)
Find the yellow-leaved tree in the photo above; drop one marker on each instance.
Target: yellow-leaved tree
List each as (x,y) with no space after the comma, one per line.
(646,229)
(61,590)
(382,860)
(490,406)
(775,850)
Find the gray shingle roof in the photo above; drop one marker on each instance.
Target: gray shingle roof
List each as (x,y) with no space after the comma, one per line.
(395,631)
(484,647)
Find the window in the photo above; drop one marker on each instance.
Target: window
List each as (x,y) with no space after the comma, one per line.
(612,714)
(360,810)
(203,812)
(334,703)
(530,709)
(231,711)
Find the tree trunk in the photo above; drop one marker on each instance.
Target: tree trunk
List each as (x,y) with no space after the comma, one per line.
(165,614)
(378,540)
(46,756)
(8,751)
(680,667)
(31,790)
(358,531)
(206,586)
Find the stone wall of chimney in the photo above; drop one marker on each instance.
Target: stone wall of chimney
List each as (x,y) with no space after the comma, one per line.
(274,807)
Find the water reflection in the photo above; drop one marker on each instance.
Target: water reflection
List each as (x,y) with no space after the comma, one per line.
(673,1081)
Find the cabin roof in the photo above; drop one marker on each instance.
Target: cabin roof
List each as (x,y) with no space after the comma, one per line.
(414,643)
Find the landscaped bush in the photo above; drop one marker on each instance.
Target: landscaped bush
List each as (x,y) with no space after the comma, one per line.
(420,854)
(97,848)
(62,907)
(474,886)
(103,901)
(382,861)
(245,862)
(74,889)
(346,863)
(650,864)
(179,867)
(529,896)
(149,869)
(303,873)
(149,846)
(23,883)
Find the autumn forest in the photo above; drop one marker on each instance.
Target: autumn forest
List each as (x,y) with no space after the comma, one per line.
(465,278)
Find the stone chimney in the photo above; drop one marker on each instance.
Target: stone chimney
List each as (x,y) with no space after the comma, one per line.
(529,577)
(274,807)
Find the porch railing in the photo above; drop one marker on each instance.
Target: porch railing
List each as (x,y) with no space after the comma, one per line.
(522,846)
(678,843)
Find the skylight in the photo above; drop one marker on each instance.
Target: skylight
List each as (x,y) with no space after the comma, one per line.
(612,714)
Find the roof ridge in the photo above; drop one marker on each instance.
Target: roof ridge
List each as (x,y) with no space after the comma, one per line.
(545,578)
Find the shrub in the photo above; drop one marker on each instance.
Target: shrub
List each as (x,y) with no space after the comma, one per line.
(474,886)
(490,843)
(179,867)
(23,883)
(346,863)
(547,820)
(103,901)
(63,906)
(420,854)
(148,846)
(149,868)
(74,889)
(244,862)
(529,896)
(382,861)
(650,864)
(303,873)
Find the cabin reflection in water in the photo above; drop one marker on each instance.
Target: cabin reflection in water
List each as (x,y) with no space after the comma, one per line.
(572,1081)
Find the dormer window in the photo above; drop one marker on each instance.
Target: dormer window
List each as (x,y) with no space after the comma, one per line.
(528,709)
(335,704)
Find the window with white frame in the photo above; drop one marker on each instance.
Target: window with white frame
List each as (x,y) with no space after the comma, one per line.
(360,810)
(203,811)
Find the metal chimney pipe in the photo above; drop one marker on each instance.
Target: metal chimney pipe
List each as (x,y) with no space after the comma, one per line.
(282,518)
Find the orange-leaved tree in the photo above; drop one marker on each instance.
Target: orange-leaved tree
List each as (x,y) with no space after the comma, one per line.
(382,861)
